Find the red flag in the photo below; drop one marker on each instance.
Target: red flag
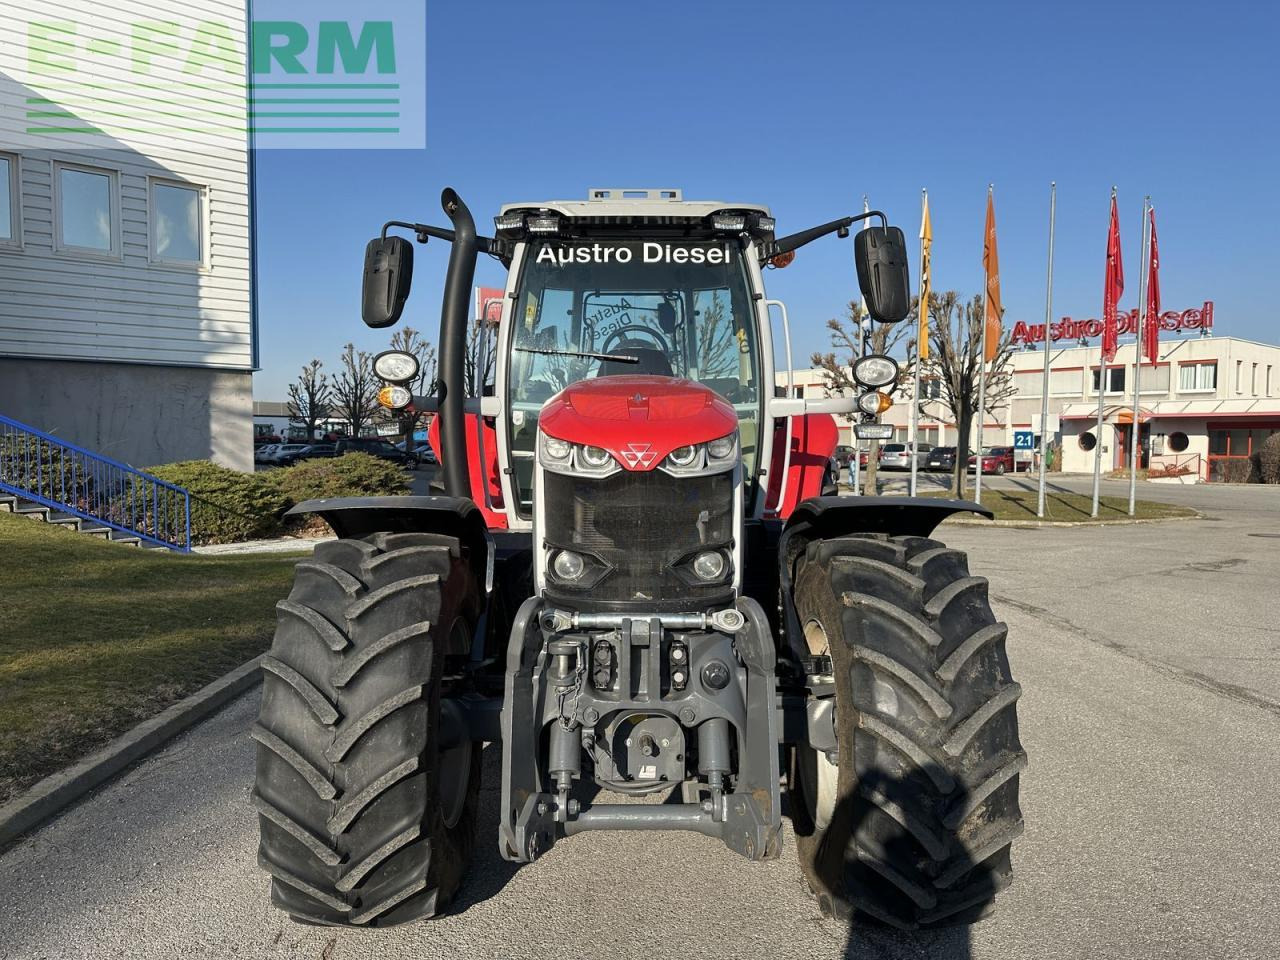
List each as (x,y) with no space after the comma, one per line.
(1151,329)
(1113,288)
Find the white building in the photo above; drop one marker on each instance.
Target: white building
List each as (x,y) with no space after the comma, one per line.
(127,321)
(1206,405)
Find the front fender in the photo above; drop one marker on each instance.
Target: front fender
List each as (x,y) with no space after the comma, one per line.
(458,517)
(824,518)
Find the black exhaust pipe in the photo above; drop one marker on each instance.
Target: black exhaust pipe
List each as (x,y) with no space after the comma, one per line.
(453,345)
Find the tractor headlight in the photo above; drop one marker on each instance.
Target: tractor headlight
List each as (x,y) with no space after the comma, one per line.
(555,449)
(875,371)
(596,458)
(395,366)
(568,565)
(709,565)
(683,456)
(723,448)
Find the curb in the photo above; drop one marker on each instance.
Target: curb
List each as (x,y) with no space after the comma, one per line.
(55,793)
(1035,524)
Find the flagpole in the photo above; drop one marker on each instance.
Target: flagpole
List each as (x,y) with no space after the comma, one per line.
(921,309)
(1102,390)
(1044,389)
(1135,429)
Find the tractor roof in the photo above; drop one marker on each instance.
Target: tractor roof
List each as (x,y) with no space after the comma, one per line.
(641,203)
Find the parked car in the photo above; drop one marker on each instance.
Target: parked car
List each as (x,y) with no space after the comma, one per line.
(421,453)
(897,456)
(374,446)
(264,453)
(286,454)
(941,458)
(316,451)
(994,460)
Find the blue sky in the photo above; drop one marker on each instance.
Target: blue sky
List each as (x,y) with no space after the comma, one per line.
(806,107)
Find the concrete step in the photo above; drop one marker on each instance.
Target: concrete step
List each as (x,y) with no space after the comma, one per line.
(94,530)
(118,537)
(7,502)
(33,510)
(64,520)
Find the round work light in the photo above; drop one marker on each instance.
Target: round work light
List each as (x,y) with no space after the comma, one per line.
(709,565)
(568,565)
(875,371)
(395,366)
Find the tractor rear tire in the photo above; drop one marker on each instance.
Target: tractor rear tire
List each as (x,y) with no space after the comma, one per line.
(912,827)
(365,820)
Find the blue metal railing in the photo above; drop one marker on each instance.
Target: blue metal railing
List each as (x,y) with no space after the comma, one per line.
(42,468)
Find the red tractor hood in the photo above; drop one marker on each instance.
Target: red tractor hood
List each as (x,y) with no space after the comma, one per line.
(638,419)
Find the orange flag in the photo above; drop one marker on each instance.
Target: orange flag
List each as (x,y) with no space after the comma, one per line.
(991,265)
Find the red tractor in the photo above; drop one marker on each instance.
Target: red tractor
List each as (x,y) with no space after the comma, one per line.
(634,584)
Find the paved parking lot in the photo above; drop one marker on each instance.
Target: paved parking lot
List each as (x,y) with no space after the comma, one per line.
(1148,655)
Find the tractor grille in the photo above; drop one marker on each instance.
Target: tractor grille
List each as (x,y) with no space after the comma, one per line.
(641,524)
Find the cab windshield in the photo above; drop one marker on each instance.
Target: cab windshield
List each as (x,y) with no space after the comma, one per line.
(609,308)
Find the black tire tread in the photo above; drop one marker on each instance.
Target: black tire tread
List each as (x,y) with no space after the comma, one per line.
(351,833)
(929,752)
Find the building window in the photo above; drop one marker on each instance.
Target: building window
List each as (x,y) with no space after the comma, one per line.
(1178,441)
(87,204)
(1115,380)
(1239,374)
(1268,379)
(1087,441)
(930,388)
(10,200)
(1198,377)
(1253,381)
(177,223)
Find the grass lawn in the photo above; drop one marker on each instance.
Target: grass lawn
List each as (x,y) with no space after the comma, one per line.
(96,637)
(1074,507)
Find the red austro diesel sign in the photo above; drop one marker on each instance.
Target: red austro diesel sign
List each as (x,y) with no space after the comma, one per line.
(1127,321)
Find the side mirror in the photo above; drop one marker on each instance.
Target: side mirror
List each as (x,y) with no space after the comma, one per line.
(881,256)
(388,272)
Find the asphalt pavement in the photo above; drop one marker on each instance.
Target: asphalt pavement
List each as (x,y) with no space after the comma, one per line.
(1151,713)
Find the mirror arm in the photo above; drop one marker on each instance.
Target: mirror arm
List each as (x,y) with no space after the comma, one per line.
(425,232)
(795,241)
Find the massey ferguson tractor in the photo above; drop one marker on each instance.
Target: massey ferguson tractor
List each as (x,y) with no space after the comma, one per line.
(637,581)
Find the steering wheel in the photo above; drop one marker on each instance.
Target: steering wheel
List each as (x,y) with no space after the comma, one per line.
(618,334)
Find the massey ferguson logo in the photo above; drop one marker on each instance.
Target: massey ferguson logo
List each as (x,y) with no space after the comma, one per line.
(638,454)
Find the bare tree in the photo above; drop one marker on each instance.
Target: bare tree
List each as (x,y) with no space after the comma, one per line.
(480,356)
(409,340)
(955,327)
(837,367)
(309,398)
(355,392)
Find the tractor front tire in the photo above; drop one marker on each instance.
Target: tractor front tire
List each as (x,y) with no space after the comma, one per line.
(365,819)
(912,826)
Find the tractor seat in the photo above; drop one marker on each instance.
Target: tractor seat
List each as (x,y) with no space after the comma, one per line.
(652,362)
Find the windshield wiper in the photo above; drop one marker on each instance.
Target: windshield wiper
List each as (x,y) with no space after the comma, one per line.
(618,357)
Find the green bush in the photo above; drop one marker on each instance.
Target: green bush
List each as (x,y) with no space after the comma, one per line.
(1269,459)
(226,505)
(350,475)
